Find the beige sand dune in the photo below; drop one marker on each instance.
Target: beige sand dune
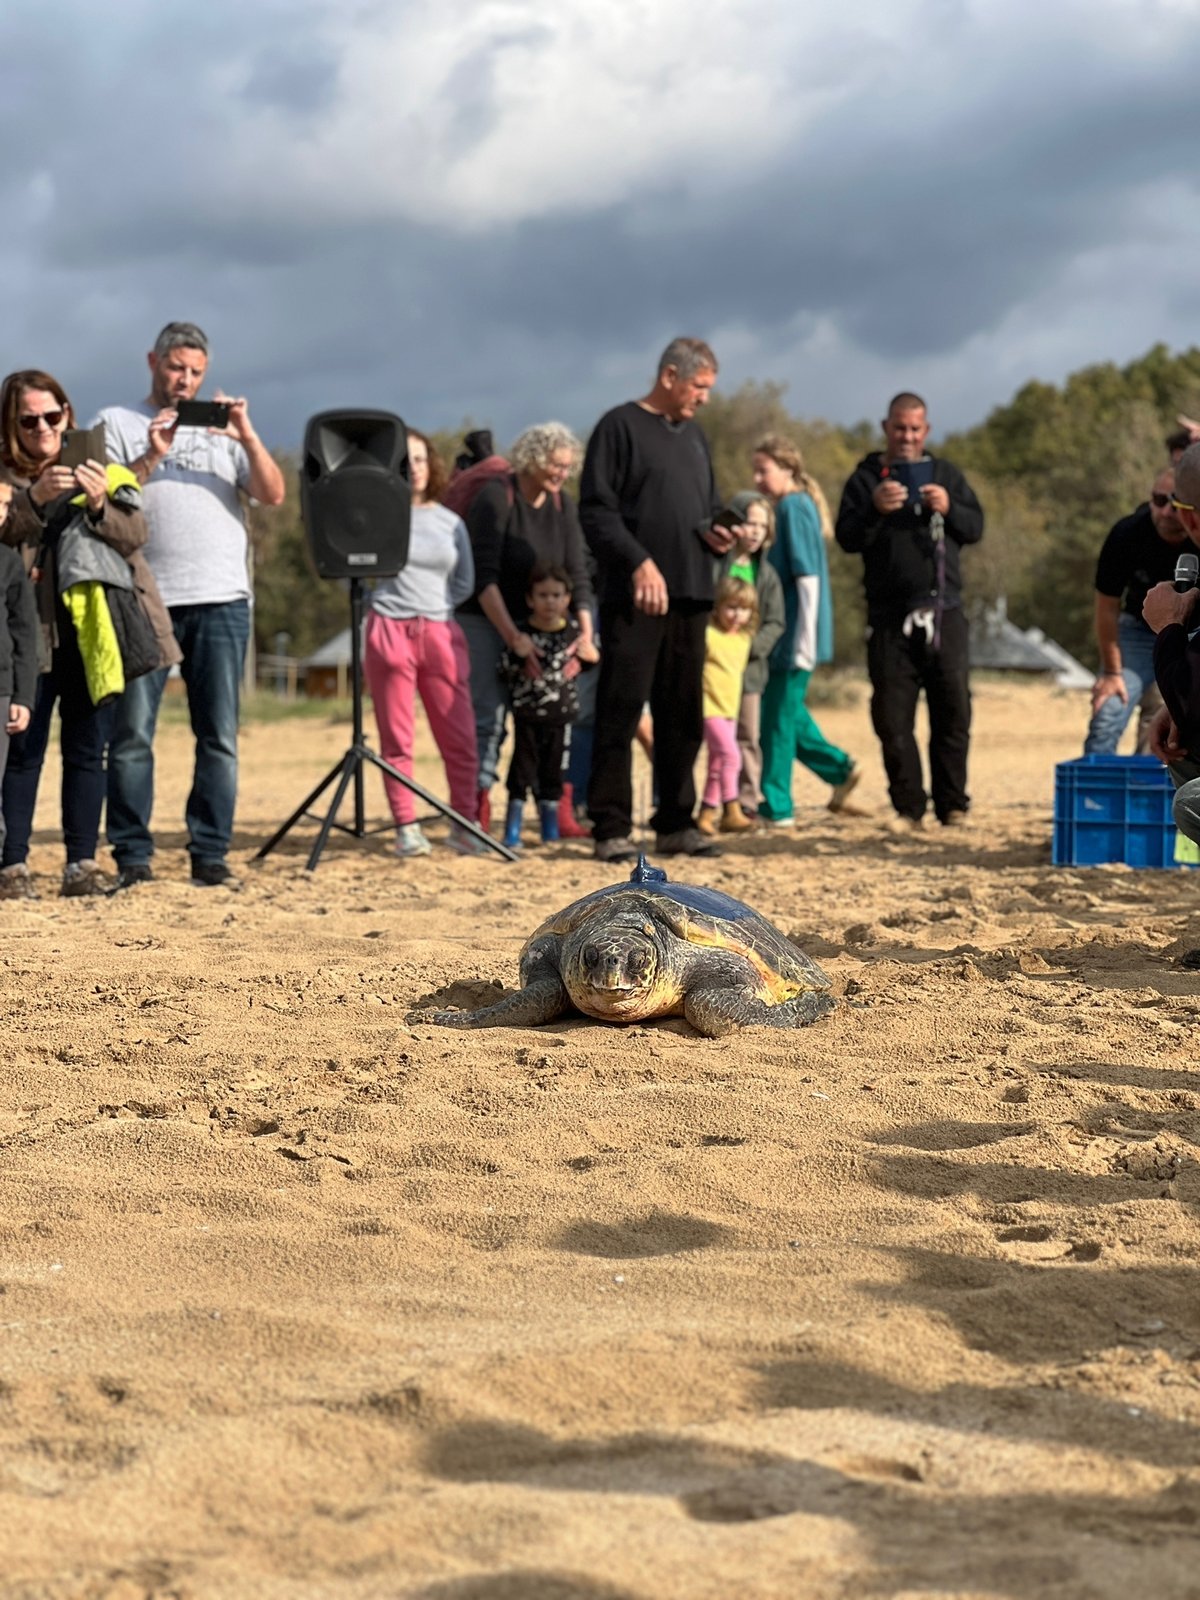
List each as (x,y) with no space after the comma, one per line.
(298,1300)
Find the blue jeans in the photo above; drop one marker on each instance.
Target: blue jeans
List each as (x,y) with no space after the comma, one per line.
(489,695)
(1109,721)
(213,640)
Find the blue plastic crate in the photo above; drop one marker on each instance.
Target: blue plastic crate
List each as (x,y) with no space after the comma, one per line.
(1113,808)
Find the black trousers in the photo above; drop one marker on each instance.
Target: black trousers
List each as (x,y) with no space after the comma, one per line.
(539,753)
(900,668)
(659,659)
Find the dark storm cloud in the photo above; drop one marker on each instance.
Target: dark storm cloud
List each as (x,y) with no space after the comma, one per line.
(911,216)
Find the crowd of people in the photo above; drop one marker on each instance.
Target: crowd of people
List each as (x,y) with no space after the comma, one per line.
(654,609)
(706,616)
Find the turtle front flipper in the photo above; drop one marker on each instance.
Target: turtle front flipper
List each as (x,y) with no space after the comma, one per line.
(540,1001)
(714,1012)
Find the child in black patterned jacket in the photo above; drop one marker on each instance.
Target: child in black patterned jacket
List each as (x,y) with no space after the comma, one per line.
(544,701)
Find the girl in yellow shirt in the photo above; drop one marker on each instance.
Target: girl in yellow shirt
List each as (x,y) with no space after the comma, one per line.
(728,637)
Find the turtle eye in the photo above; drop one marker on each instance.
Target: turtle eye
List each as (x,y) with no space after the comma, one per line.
(590,955)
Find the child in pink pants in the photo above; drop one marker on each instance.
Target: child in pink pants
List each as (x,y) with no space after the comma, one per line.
(726,652)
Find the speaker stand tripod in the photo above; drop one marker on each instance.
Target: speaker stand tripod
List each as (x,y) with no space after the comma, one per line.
(350,769)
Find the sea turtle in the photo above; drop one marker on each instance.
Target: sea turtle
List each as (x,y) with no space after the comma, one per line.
(650,948)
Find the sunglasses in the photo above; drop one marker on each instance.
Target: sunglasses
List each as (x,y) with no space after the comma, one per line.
(52,419)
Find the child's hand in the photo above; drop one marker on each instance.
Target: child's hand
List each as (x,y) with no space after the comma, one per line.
(18,719)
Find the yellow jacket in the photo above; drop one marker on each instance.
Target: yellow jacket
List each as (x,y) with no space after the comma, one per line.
(725,658)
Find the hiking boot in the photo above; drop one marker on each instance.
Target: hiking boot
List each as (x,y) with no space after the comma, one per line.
(213,875)
(16,883)
(839,799)
(410,841)
(708,820)
(904,825)
(621,848)
(84,877)
(687,842)
(132,873)
(734,819)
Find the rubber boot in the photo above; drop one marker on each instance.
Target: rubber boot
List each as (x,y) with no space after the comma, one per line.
(568,828)
(485,809)
(706,821)
(512,824)
(548,817)
(734,819)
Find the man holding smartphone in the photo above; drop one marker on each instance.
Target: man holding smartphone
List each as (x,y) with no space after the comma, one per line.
(908,514)
(196,473)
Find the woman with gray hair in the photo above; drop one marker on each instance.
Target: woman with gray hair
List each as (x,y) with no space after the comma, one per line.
(518,518)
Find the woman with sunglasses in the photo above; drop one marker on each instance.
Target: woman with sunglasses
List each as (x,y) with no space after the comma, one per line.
(48,498)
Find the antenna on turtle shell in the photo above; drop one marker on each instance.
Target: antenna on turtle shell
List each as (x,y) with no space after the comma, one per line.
(645,873)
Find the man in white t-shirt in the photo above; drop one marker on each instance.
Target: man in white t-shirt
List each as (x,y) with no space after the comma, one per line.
(194,481)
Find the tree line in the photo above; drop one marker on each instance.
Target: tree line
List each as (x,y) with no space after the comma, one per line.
(1054,468)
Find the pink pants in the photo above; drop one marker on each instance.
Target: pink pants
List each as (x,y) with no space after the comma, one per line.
(724,760)
(410,657)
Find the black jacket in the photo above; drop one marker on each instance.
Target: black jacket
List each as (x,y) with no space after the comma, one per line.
(899,555)
(19,632)
(1177,670)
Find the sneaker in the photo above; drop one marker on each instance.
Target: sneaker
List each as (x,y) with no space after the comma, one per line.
(838,800)
(776,822)
(410,841)
(901,824)
(466,844)
(84,877)
(16,883)
(954,819)
(687,842)
(622,848)
(133,872)
(213,875)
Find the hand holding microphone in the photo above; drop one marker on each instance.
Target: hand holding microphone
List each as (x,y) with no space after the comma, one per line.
(1174,601)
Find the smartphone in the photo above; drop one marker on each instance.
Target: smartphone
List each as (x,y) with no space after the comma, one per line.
(913,475)
(728,519)
(202,413)
(83,444)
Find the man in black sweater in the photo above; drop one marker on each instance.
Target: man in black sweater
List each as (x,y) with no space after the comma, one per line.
(647,503)
(908,514)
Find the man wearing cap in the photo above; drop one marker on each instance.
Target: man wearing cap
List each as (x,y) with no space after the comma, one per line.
(1171,617)
(1139,552)
(194,481)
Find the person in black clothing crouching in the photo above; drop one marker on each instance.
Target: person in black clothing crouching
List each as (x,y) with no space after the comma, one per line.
(1175,732)
(647,503)
(908,514)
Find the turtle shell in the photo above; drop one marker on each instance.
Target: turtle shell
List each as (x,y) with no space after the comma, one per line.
(701,916)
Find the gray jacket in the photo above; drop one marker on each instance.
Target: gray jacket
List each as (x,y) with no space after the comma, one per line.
(770,620)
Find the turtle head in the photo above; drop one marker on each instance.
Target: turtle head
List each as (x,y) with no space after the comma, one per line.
(614,969)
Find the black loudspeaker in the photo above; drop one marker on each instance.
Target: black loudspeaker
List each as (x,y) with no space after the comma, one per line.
(354,493)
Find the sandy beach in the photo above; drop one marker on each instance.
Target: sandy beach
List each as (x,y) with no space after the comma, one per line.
(298,1300)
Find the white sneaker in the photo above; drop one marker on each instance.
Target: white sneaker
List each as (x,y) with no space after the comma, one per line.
(410,841)
(466,844)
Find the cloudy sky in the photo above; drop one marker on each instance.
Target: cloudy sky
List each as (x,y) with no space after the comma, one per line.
(503,208)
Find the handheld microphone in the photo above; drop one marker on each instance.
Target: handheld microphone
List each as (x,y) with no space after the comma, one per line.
(1187,572)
